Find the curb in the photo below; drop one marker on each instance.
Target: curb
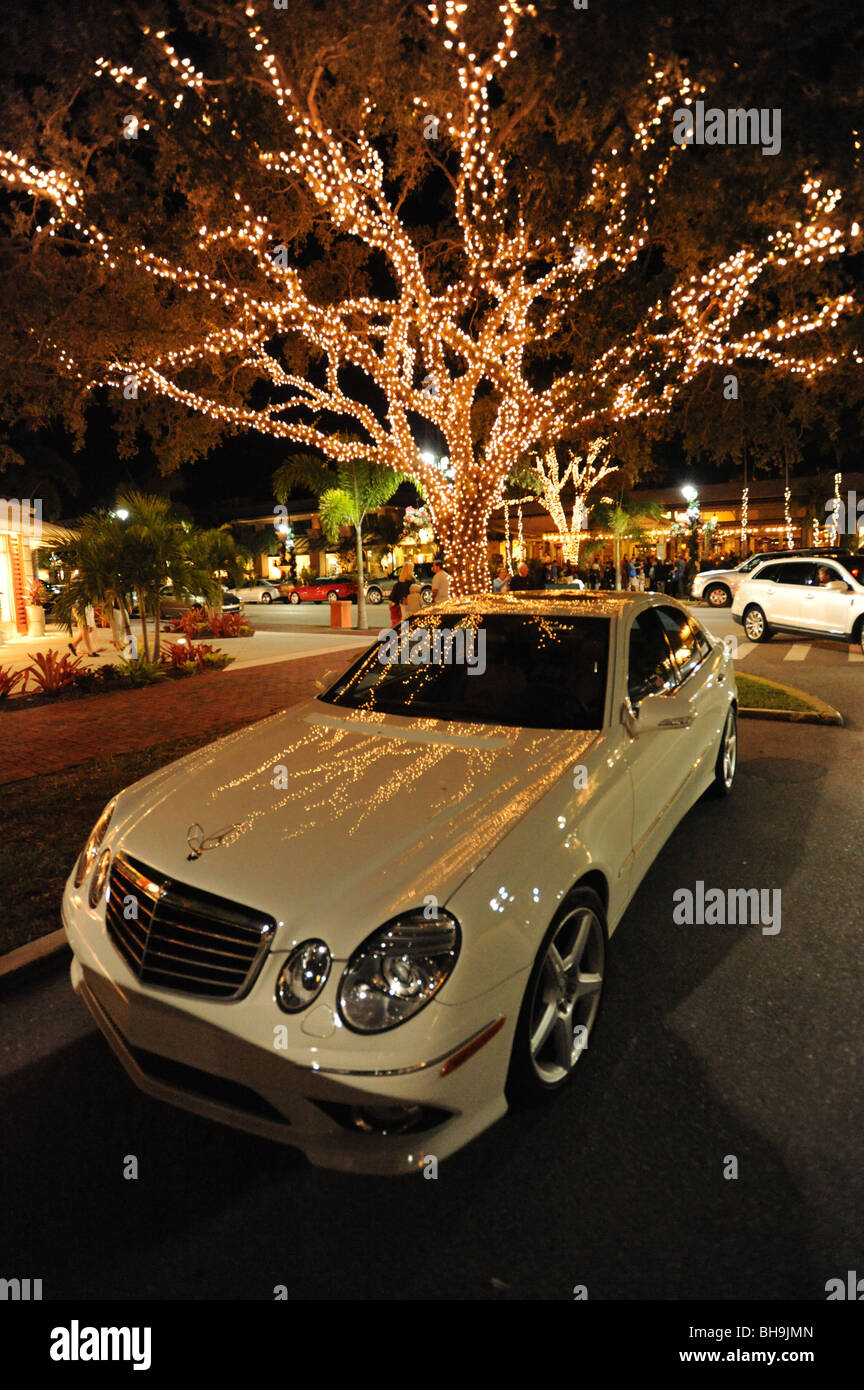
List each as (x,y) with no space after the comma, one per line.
(32,952)
(822,713)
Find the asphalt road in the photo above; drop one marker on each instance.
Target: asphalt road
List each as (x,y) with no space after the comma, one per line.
(713,1042)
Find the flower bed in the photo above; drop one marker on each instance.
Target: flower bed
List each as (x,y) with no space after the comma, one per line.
(54,675)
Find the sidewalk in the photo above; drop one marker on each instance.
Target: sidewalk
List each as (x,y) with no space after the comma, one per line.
(263,647)
(55,737)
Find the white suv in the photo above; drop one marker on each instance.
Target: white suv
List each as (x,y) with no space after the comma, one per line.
(809,597)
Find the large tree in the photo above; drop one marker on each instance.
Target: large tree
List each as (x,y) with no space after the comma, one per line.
(263,226)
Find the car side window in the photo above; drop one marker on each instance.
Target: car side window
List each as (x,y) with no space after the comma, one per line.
(690,646)
(770,572)
(799,573)
(650,668)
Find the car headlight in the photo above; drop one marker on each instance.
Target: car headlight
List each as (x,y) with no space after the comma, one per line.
(397,970)
(94,840)
(303,976)
(99,878)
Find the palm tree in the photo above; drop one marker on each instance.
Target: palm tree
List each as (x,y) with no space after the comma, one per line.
(158,553)
(100,565)
(361,488)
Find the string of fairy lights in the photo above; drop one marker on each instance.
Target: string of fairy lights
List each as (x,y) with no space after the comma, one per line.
(414,346)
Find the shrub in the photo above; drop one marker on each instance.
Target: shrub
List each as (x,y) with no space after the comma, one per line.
(191,623)
(9,680)
(53,671)
(218,660)
(230,625)
(140,672)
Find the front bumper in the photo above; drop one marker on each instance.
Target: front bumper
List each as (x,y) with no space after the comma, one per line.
(222,1069)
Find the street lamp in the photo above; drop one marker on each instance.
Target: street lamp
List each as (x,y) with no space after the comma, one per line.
(121,514)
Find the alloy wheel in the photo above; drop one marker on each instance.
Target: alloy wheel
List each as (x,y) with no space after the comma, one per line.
(567,995)
(754,624)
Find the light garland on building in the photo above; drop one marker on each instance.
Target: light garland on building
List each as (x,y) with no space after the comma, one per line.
(787,518)
(407,345)
(834,523)
(745,498)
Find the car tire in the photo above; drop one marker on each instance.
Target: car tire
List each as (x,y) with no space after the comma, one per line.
(727,757)
(755,624)
(541,1062)
(717,595)
(294,597)
(266,597)
(426,595)
(374,595)
(332,597)
(858,634)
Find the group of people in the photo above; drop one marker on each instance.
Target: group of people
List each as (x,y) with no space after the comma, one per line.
(406,596)
(638,574)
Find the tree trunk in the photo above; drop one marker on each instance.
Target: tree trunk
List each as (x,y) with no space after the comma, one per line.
(464,538)
(157,628)
(617,562)
(362,621)
(145,641)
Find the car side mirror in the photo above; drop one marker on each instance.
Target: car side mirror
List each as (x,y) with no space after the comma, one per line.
(657,712)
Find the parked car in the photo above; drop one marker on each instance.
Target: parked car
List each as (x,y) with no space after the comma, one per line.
(173,605)
(265,591)
(806,597)
(718,587)
(379,589)
(320,591)
(268,959)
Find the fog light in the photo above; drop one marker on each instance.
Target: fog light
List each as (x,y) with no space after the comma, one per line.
(386,1119)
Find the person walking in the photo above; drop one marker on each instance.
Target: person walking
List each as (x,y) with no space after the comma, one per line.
(86,620)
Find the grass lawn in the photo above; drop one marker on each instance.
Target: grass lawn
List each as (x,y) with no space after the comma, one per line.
(756,693)
(46,821)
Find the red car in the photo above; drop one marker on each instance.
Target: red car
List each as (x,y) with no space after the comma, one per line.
(320,591)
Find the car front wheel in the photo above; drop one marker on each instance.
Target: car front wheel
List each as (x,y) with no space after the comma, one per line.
(755,625)
(727,757)
(266,597)
(374,595)
(561,1001)
(718,596)
(294,598)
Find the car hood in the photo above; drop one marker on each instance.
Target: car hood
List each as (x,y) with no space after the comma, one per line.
(333,820)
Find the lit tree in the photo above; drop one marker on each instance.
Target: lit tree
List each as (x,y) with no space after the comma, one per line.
(494,331)
(544,480)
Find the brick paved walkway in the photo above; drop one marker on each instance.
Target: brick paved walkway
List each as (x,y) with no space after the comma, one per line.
(54,737)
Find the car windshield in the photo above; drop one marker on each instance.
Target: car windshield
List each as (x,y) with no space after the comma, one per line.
(531,671)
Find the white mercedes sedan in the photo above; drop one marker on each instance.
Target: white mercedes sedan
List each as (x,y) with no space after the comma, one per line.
(369,924)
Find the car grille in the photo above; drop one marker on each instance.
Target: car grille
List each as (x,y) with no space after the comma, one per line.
(182,938)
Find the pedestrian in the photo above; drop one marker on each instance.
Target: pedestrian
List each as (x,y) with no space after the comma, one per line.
(500,582)
(440,581)
(594,576)
(86,622)
(520,579)
(400,592)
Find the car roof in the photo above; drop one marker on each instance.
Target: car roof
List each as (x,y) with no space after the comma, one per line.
(596,603)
